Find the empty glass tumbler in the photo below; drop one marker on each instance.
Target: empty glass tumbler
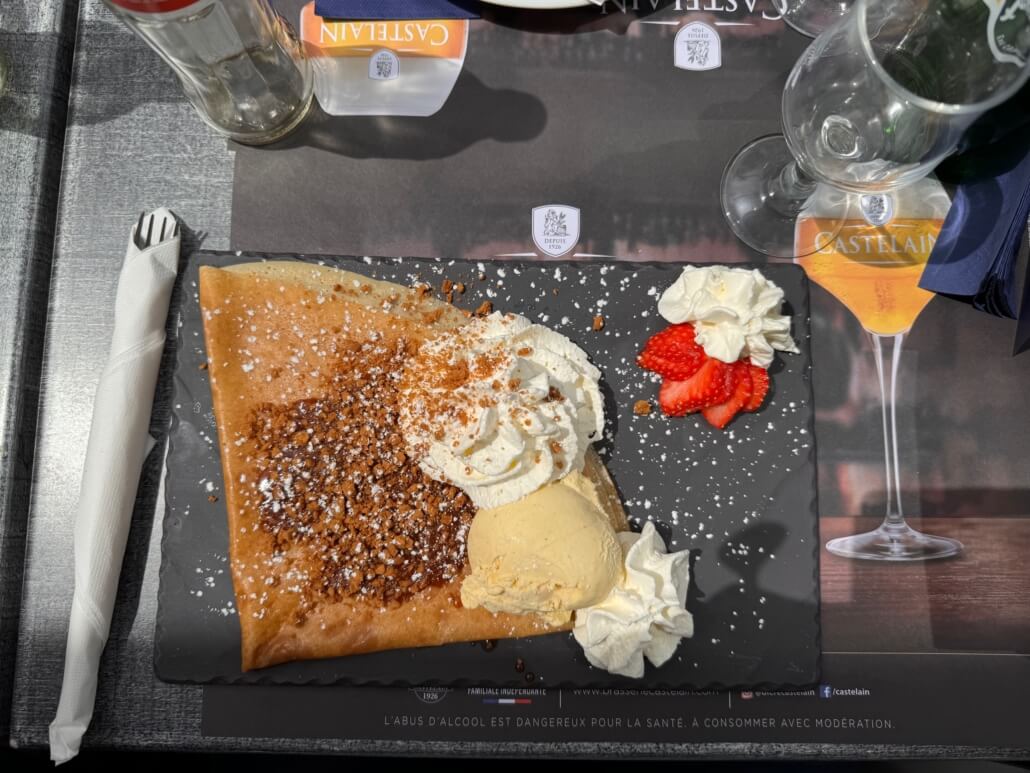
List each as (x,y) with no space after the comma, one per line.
(239,62)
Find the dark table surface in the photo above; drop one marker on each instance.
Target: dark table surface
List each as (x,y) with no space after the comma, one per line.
(133,143)
(36,41)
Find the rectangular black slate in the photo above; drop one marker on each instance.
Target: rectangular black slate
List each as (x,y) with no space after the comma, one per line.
(743,500)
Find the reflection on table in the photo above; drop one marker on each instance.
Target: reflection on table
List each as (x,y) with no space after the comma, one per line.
(973,603)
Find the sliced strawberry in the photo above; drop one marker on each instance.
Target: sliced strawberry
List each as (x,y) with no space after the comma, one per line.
(673,353)
(722,414)
(759,387)
(708,386)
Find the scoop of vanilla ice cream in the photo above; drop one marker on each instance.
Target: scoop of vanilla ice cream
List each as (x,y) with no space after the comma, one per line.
(548,554)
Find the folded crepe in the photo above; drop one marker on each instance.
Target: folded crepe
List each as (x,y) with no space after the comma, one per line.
(339,544)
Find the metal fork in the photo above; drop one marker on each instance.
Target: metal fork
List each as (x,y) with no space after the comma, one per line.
(143,243)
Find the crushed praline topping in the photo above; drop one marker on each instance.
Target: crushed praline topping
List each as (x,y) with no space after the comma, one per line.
(335,486)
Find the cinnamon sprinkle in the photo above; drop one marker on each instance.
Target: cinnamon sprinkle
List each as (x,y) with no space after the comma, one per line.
(434,388)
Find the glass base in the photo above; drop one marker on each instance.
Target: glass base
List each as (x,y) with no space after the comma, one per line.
(894,543)
(279,132)
(811,17)
(760,213)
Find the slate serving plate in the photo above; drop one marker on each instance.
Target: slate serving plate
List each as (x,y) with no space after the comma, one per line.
(742,500)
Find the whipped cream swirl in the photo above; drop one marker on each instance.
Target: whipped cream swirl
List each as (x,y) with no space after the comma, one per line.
(500,407)
(735,312)
(645,615)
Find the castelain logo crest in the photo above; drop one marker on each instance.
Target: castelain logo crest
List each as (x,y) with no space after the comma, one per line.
(555,229)
(384,65)
(698,47)
(430,694)
(877,208)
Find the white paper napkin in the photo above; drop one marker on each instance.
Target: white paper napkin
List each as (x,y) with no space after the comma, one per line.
(118,444)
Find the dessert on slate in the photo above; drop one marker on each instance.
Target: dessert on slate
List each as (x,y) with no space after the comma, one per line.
(714,357)
(398,475)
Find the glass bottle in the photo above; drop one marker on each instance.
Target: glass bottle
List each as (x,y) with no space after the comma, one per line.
(239,62)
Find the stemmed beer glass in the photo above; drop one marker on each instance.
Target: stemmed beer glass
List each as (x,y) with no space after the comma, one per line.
(873,105)
(810,17)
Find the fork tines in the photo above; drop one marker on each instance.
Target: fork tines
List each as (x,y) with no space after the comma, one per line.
(143,242)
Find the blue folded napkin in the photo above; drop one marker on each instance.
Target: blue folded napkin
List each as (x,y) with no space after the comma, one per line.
(397,9)
(976,253)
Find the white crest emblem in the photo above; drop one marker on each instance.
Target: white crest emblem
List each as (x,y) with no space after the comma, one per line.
(384,65)
(430,694)
(555,228)
(877,208)
(698,47)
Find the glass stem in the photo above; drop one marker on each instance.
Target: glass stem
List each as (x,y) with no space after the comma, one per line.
(895,519)
(788,192)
